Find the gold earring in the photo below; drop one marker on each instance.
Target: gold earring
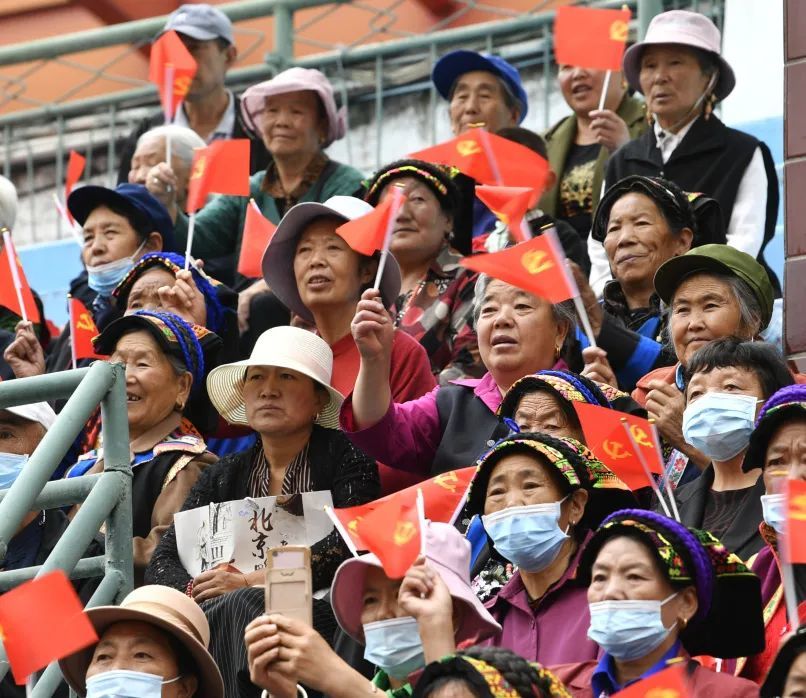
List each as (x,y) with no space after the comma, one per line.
(557,351)
(710,100)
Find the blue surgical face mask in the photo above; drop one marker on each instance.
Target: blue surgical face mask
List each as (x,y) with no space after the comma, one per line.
(720,424)
(628,629)
(395,646)
(774,508)
(122,683)
(529,536)
(103,278)
(10,467)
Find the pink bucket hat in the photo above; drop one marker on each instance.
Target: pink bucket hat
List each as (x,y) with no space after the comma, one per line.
(686,29)
(448,552)
(295,80)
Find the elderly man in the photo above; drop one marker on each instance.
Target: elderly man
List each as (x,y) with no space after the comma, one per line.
(150,151)
(209,109)
(483,91)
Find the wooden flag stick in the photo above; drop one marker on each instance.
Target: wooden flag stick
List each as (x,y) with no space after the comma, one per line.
(169,107)
(397,202)
(72,322)
(71,226)
(488,151)
(11,254)
(348,539)
(605,87)
(191,227)
(421,518)
(652,483)
(788,573)
(666,485)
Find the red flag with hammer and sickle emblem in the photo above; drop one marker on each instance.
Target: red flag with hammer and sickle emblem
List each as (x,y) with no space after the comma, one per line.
(795,527)
(669,683)
(171,68)
(607,438)
(536,266)
(75,168)
(491,159)
(8,285)
(509,204)
(82,330)
(257,234)
(220,168)
(590,37)
(442,496)
(392,532)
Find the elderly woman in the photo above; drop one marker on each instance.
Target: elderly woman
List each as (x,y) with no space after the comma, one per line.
(518,334)
(296,114)
(435,304)
(313,270)
(487,671)
(660,593)
(154,644)
(403,624)
(580,144)
(283,392)
(164,358)
(679,70)
(787,677)
(532,492)
(778,447)
(726,380)
(713,291)
(642,222)
(151,150)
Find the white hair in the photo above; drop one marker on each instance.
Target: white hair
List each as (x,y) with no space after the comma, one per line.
(183,140)
(8,203)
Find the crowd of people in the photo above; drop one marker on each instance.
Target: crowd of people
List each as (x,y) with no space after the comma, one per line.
(556,579)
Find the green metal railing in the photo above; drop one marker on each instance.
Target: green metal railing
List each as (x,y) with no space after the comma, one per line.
(105,498)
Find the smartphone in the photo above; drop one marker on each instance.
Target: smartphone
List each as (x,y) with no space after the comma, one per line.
(288,582)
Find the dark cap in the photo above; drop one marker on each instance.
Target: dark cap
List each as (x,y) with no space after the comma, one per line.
(788,403)
(145,210)
(448,69)
(202,22)
(719,259)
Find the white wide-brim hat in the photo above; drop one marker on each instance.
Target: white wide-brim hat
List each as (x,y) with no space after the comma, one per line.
(284,347)
(278,259)
(685,29)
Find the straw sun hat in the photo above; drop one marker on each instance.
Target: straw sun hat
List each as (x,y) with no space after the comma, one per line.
(284,347)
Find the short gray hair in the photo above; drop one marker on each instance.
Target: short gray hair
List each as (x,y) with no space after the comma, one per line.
(8,203)
(563,312)
(183,140)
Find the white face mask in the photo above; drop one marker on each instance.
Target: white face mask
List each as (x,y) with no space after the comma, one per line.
(103,278)
(122,683)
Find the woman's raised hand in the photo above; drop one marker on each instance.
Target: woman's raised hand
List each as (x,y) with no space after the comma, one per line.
(24,355)
(161,182)
(184,299)
(610,129)
(372,328)
(262,639)
(597,367)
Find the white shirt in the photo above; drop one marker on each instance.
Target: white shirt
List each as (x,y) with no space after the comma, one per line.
(225,127)
(747,220)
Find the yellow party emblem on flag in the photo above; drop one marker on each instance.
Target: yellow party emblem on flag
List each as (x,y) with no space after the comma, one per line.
(797,508)
(536,261)
(640,436)
(662,693)
(619,30)
(404,532)
(468,147)
(198,167)
(503,217)
(352,527)
(615,449)
(84,322)
(447,481)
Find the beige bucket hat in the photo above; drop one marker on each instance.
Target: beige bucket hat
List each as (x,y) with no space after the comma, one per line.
(286,347)
(167,609)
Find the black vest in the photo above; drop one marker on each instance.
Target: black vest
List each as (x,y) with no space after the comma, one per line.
(711,159)
(469,428)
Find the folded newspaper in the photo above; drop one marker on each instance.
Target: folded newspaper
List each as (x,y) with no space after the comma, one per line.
(241,532)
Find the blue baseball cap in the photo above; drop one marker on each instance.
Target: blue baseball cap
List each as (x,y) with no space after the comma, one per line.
(453,65)
(141,205)
(200,21)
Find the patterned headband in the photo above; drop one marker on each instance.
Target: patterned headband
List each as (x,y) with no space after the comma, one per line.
(402,171)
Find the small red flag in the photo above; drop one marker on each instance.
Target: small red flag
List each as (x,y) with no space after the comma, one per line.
(392,532)
(367,233)
(42,621)
(8,288)
(171,68)
(509,204)
(82,330)
(534,265)
(795,526)
(491,159)
(606,437)
(669,683)
(590,37)
(75,168)
(220,168)
(442,496)
(257,233)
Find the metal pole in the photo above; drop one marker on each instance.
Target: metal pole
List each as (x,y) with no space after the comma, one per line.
(378,110)
(646,10)
(283,35)
(53,446)
(85,568)
(65,492)
(52,386)
(114,418)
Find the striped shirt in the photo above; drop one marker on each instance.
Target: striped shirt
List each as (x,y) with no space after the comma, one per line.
(297,476)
